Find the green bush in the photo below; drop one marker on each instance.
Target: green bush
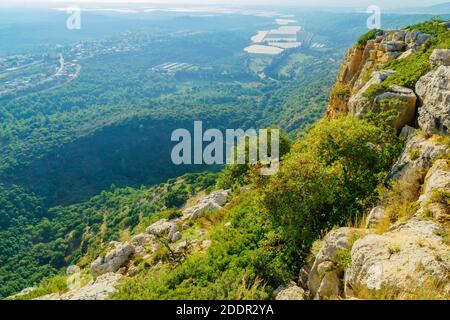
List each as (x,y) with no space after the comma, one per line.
(372,34)
(341,90)
(328,179)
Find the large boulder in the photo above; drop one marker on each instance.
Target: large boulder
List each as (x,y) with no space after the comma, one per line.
(325,277)
(161,227)
(113,260)
(291,292)
(416,158)
(401,99)
(143,239)
(433,90)
(402,260)
(358,104)
(415,39)
(440,57)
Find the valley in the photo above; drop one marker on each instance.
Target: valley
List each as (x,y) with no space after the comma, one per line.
(85,124)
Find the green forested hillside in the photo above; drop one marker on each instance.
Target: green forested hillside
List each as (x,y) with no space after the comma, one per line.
(36,242)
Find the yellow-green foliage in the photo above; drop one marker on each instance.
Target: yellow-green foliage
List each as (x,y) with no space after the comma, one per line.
(327,178)
(56,284)
(343,258)
(372,34)
(341,90)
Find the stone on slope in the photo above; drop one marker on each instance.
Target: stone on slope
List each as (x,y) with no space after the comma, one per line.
(416,158)
(161,227)
(98,289)
(401,260)
(324,280)
(433,202)
(114,259)
(440,57)
(291,292)
(401,99)
(143,239)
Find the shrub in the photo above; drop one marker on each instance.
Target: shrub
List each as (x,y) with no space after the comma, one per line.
(341,90)
(328,179)
(372,34)
(343,258)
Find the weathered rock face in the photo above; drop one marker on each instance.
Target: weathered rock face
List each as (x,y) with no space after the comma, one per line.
(325,277)
(360,63)
(114,259)
(400,260)
(401,99)
(292,292)
(440,57)
(98,289)
(417,158)
(437,184)
(433,90)
(359,104)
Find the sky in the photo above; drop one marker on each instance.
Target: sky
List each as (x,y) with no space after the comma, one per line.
(330,3)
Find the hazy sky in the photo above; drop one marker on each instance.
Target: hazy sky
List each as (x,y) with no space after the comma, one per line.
(335,3)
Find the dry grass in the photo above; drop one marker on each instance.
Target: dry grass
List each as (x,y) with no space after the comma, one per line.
(431,289)
(400,201)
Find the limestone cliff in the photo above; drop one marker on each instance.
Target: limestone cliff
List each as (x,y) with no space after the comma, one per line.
(402,248)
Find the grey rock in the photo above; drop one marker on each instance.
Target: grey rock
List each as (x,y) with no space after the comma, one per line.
(433,90)
(113,261)
(402,259)
(291,292)
(440,57)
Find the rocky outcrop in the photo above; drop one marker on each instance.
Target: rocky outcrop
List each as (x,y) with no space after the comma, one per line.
(411,256)
(359,65)
(325,277)
(98,289)
(417,158)
(212,202)
(436,191)
(113,260)
(399,98)
(440,57)
(399,261)
(433,90)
